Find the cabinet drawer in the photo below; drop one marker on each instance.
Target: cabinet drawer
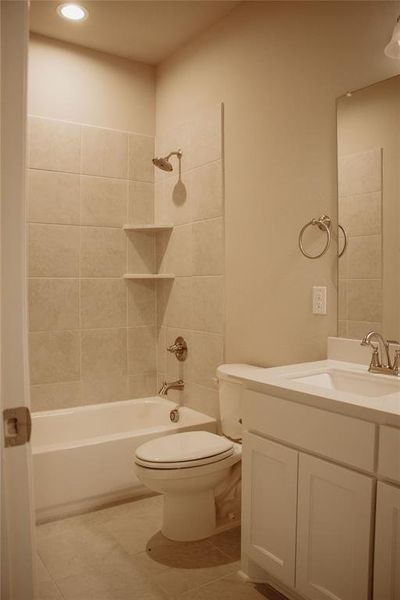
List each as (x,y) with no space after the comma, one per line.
(389,453)
(347,440)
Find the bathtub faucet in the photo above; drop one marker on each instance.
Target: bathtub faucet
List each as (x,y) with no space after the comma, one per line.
(173,385)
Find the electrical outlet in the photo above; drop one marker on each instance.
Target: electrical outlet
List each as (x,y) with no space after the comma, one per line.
(319,300)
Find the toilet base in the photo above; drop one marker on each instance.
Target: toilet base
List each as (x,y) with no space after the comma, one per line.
(189,517)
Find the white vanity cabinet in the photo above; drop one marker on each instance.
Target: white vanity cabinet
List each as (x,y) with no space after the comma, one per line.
(387,543)
(333,531)
(269,505)
(307,522)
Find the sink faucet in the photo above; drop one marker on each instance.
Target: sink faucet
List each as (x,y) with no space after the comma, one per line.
(173,385)
(376,365)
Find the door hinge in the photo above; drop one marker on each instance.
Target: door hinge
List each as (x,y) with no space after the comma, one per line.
(17,426)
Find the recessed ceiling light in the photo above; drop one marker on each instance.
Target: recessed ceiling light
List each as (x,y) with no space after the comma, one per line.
(73,12)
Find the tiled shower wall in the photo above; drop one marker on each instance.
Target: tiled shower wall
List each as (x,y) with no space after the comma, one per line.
(95,337)
(191,198)
(360,267)
(92,334)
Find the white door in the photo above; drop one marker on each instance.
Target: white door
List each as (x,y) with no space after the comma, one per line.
(387,543)
(17,563)
(269,506)
(333,531)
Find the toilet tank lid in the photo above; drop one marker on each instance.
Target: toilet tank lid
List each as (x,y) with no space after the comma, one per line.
(235,371)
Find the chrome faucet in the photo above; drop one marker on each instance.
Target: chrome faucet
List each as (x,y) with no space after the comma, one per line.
(173,385)
(377,365)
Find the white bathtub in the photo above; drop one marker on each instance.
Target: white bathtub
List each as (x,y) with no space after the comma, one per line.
(83,457)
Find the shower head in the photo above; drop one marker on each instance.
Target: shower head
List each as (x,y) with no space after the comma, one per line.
(163,162)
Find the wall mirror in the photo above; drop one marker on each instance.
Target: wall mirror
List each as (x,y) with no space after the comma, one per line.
(368,134)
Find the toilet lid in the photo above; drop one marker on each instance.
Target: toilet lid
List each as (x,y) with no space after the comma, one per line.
(193,447)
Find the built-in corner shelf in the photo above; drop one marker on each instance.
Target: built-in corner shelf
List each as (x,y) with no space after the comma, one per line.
(150,228)
(149,276)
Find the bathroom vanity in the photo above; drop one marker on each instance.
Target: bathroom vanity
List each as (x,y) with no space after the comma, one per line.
(321,481)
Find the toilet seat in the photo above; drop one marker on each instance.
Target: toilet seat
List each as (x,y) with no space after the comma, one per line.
(184,450)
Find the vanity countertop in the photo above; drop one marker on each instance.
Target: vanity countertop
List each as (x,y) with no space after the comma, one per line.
(337,386)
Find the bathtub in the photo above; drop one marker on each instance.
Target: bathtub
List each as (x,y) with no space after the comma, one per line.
(83,457)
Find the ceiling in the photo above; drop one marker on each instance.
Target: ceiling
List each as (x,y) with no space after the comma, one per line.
(145,31)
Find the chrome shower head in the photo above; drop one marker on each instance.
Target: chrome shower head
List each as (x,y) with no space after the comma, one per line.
(163,162)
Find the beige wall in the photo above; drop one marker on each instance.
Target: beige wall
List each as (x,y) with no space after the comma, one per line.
(278,68)
(72,83)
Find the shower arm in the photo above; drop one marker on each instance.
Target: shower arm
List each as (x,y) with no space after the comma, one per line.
(177,153)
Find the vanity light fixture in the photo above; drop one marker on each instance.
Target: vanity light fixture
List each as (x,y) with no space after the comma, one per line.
(392,50)
(73,12)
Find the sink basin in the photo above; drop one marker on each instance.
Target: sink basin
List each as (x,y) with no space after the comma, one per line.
(361,384)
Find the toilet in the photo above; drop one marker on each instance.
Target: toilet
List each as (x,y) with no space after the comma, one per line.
(195,470)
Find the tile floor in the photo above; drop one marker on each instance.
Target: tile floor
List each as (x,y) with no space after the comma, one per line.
(119,553)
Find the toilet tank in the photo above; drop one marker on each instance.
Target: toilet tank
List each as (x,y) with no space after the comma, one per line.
(230,397)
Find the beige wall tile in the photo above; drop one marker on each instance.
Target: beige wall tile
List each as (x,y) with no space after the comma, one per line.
(53,250)
(141,252)
(141,153)
(53,197)
(206,353)
(54,145)
(360,173)
(174,251)
(141,303)
(103,352)
(54,356)
(103,303)
(205,188)
(141,202)
(103,252)
(201,398)
(162,209)
(362,214)
(342,299)
(358,329)
(205,138)
(53,304)
(179,304)
(365,257)
(142,386)
(161,348)
(141,350)
(53,396)
(104,152)
(208,304)
(208,247)
(171,140)
(104,388)
(364,300)
(103,201)
(342,328)
(177,197)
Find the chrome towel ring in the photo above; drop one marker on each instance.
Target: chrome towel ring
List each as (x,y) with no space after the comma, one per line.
(343,250)
(324,223)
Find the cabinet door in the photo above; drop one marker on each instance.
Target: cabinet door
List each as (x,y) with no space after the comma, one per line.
(387,544)
(269,506)
(333,531)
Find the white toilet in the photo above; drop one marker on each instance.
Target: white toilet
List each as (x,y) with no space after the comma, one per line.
(192,468)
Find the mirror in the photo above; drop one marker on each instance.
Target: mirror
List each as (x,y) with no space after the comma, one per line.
(368,135)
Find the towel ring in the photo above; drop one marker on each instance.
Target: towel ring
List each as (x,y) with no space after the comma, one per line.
(343,250)
(324,223)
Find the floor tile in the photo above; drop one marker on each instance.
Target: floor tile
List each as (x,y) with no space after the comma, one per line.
(47,590)
(232,588)
(228,542)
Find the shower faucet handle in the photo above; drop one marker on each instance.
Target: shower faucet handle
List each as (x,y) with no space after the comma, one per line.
(179,348)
